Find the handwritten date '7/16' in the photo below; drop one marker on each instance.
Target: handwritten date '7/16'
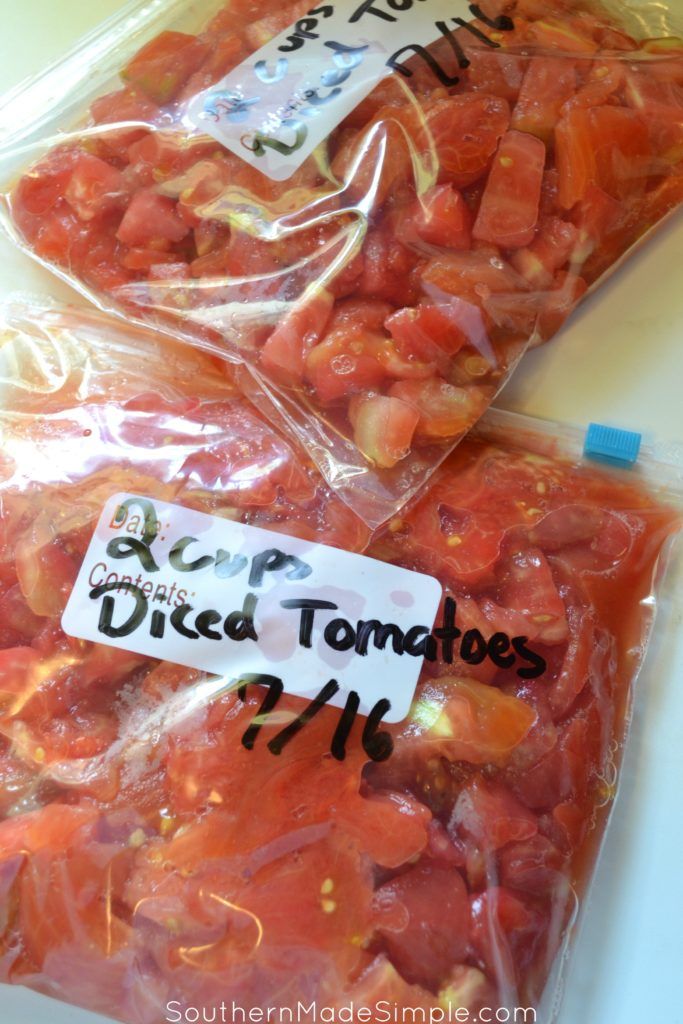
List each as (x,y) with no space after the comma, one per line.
(377,745)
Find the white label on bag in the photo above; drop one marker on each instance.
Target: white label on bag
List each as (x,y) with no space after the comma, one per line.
(172,583)
(285,99)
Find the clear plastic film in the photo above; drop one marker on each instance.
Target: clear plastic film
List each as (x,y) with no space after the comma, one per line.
(374,208)
(173,841)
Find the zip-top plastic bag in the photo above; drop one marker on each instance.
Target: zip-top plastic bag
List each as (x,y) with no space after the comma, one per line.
(375,207)
(368,803)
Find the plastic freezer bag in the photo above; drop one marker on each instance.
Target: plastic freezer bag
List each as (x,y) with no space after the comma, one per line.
(173,839)
(375,207)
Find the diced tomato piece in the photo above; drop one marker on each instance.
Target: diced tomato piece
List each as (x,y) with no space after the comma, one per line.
(386,266)
(151,218)
(496,74)
(345,362)
(431,333)
(284,353)
(117,108)
(124,105)
(490,816)
(605,146)
(442,217)
(145,259)
(566,34)
(602,82)
(383,427)
(261,31)
(45,570)
(169,271)
(503,930)
(161,68)
(621,145)
(555,244)
(444,410)
(534,864)
(595,215)
(473,277)
(375,163)
(661,104)
(18,623)
(567,291)
(528,588)
(209,235)
(559,774)
(382,982)
(43,187)
(95,188)
(465,720)
(465,131)
(228,52)
(509,206)
(575,156)
(426,914)
(365,312)
(548,83)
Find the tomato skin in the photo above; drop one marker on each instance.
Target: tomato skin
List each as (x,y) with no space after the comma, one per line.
(509,206)
(160,69)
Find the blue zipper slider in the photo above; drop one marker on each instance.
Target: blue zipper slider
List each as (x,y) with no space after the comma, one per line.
(610,444)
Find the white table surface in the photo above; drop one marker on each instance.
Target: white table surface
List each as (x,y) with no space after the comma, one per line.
(619,361)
